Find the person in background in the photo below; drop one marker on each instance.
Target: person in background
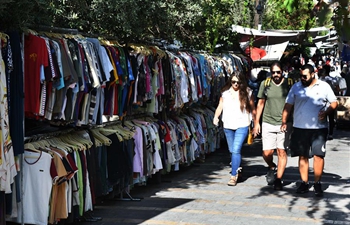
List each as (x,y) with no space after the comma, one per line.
(312,100)
(323,74)
(337,67)
(254,85)
(346,75)
(270,105)
(237,106)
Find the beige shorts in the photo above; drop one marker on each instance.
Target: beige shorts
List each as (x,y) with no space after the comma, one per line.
(273,138)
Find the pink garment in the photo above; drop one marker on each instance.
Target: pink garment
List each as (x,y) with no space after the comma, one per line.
(138,157)
(148,75)
(161,90)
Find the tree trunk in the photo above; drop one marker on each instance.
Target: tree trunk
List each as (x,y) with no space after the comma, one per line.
(256,15)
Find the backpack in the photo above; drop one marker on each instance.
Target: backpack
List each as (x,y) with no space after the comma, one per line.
(267,84)
(268,81)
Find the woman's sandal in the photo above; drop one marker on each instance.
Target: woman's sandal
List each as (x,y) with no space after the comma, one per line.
(232,181)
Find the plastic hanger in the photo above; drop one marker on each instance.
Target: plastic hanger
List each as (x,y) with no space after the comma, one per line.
(69,139)
(55,142)
(106,131)
(69,145)
(128,132)
(31,147)
(78,137)
(103,139)
(76,145)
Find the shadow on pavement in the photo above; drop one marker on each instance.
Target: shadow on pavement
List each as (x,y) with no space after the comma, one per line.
(210,171)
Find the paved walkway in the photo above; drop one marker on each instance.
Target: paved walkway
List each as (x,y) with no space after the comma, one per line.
(199,195)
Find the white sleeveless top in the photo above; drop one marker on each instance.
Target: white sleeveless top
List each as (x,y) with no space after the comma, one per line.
(232,116)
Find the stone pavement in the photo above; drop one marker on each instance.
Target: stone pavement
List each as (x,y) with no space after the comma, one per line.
(199,195)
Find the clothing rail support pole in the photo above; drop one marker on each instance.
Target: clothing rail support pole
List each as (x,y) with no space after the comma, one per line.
(130,198)
(22,155)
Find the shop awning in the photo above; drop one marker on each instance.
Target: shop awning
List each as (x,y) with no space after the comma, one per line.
(271,37)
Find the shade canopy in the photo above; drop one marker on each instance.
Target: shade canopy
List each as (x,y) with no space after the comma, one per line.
(259,38)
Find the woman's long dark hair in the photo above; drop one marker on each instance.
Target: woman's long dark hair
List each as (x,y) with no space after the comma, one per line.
(243,89)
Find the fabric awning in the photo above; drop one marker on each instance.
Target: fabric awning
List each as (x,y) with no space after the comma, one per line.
(313,31)
(271,37)
(262,38)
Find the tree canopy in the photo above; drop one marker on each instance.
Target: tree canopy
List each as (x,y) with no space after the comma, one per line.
(199,24)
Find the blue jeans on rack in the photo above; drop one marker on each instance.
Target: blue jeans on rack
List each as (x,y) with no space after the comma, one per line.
(235,139)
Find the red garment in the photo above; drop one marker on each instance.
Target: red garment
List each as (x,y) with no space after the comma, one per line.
(167,137)
(255,53)
(35,56)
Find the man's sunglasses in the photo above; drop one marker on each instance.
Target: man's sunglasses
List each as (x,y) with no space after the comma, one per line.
(303,76)
(278,72)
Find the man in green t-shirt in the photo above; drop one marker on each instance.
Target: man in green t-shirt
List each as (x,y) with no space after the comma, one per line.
(272,94)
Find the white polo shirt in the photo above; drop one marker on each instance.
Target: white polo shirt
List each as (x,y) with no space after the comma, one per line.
(308,101)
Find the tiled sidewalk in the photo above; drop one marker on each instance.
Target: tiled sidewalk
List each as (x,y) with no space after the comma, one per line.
(199,194)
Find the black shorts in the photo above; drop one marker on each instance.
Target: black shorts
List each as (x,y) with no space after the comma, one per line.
(308,142)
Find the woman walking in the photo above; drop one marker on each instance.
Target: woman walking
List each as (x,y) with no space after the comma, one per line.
(237,106)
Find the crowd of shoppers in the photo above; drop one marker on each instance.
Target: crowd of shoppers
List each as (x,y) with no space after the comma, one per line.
(290,114)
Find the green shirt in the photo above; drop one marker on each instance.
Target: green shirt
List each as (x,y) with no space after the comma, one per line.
(275,96)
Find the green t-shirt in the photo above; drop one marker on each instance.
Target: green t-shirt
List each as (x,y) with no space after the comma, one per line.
(275,96)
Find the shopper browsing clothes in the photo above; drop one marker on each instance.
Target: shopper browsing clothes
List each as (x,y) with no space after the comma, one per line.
(313,100)
(272,95)
(237,106)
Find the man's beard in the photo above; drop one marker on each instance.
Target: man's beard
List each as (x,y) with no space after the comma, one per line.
(277,79)
(307,83)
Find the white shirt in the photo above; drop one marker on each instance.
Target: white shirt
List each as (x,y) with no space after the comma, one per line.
(232,116)
(37,181)
(308,101)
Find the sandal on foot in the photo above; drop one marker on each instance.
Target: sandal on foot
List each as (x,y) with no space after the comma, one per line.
(232,181)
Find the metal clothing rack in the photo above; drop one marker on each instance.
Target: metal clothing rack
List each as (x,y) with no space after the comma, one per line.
(55,29)
(38,137)
(26,139)
(129,197)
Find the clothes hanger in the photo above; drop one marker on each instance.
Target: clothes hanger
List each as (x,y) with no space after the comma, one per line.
(30,146)
(98,143)
(106,131)
(145,123)
(76,145)
(120,129)
(127,134)
(129,124)
(55,142)
(4,37)
(78,137)
(42,143)
(30,31)
(126,130)
(68,138)
(135,47)
(26,156)
(47,150)
(36,144)
(103,139)
(113,129)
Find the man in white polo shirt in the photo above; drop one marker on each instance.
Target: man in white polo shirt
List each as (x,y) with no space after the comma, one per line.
(313,100)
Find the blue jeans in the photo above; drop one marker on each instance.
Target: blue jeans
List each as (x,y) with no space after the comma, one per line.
(235,139)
